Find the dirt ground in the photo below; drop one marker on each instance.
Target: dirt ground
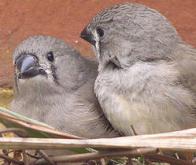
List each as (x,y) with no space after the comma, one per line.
(66,18)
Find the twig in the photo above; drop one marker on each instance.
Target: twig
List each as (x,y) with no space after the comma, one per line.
(102,161)
(98,155)
(47,159)
(25,158)
(167,159)
(33,156)
(194,160)
(133,129)
(7,158)
(6,152)
(129,161)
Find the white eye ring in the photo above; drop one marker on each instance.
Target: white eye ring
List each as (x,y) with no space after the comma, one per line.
(97,42)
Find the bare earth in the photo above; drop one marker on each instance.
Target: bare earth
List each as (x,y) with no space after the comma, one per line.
(65,19)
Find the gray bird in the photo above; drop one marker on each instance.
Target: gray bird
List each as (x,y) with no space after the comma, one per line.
(147,73)
(54,84)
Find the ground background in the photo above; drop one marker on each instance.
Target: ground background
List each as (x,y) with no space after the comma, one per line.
(66,18)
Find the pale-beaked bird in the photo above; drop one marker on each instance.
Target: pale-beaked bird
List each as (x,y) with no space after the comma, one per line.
(54,85)
(147,74)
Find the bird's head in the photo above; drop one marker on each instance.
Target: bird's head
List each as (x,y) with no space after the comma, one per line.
(47,62)
(127,33)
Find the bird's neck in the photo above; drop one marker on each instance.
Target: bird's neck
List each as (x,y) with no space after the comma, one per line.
(79,74)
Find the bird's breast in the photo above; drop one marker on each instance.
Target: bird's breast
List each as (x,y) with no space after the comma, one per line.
(144,98)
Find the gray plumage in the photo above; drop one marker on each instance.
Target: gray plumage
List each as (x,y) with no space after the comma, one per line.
(147,74)
(54,84)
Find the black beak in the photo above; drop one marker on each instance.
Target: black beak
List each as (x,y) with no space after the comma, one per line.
(28,66)
(88,36)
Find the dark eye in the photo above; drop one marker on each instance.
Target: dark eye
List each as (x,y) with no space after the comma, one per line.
(100,32)
(50,56)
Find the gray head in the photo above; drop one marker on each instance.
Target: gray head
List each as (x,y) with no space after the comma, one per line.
(127,33)
(45,61)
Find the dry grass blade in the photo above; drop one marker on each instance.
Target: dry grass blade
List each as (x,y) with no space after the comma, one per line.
(98,155)
(177,141)
(26,123)
(18,131)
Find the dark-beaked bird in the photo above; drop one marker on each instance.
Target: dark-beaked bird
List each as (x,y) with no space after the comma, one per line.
(54,85)
(147,73)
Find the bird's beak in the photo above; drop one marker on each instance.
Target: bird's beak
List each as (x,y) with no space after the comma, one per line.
(88,36)
(28,66)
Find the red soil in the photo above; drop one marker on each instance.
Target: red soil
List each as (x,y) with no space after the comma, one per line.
(65,19)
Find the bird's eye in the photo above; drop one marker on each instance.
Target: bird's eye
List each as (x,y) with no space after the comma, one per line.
(50,56)
(100,32)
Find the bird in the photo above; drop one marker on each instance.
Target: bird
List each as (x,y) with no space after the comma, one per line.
(54,85)
(146,81)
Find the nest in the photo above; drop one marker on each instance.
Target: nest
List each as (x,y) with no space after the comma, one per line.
(36,136)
